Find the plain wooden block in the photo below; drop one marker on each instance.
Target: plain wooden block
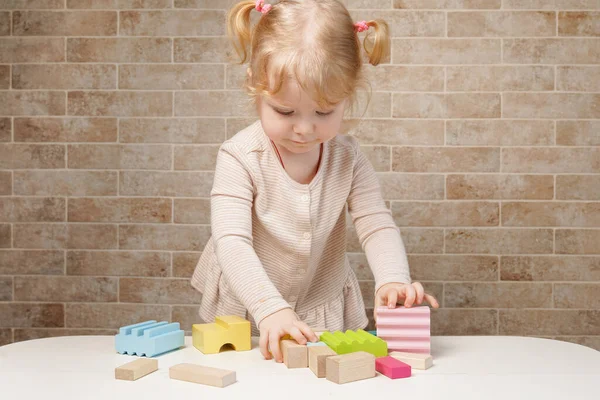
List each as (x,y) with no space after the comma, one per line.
(136,369)
(317,357)
(415,360)
(204,375)
(350,367)
(294,355)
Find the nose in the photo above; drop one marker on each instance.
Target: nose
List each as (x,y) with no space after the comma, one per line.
(304,127)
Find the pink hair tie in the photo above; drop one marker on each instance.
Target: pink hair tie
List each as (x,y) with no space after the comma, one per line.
(361,26)
(262,7)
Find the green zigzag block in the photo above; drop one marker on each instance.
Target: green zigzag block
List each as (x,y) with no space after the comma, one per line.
(352,341)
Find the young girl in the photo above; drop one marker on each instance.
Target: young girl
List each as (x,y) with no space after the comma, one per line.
(277,254)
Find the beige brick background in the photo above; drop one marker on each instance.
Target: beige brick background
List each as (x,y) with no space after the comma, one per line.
(484,129)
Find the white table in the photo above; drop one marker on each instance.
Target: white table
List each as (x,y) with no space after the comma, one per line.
(465,367)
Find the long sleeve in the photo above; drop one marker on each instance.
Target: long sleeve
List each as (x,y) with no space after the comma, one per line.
(231,220)
(377,232)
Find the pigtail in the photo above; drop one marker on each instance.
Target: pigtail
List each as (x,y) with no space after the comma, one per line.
(238,27)
(377,44)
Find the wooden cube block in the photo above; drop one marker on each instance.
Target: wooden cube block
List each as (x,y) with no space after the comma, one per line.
(317,357)
(350,367)
(392,368)
(136,369)
(204,375)
(294,355)
(415,360)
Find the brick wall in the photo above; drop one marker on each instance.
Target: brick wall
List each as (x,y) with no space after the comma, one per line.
(484,128)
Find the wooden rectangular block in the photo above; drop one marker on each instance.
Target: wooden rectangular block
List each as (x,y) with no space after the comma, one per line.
(350,367)
(317,357)
(204,375)
(415,360)
(294,355)
(136,369)
(392,368)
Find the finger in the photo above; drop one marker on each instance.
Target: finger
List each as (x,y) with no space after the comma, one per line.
(419,291)
(306,330)
(410,295)
(297,335)
(392,298)
(432,300)
(263,344)
(274,337)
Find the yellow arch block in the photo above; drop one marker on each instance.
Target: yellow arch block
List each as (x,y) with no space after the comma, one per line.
(230,329)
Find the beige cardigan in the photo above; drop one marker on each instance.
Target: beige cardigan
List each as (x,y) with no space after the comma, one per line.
(277,243)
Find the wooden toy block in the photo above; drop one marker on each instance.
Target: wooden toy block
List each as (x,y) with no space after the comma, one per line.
(232,330)
(351,341)
(392,368)
(294,355)
(136,369)
(149,338)
(350,367)
(313,344)
(405,329)
(204,375)
(415,360)
(317,357)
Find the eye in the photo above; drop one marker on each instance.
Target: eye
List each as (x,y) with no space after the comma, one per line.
(324,114)
(286,113)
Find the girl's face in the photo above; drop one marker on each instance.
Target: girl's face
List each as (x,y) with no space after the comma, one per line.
(293,121)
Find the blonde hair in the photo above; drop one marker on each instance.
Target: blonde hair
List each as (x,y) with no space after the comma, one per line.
(313,42)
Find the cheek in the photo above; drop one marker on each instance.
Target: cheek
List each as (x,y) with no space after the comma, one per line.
(274,126)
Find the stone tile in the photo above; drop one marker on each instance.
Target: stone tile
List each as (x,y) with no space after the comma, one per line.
(184,264)
(6,336)
(121,104)
(577,241)
(66,289)
(406,23)
(378,156)
(551,160)
(498,295)
(158,291)
(453,267)
(203,50)
(452,105)
(171,77)
(446,51)
(112,316)
(400,132)
(501,23)
(118,50)
(578,79)
(405,78)
(64,76)
(397,186)
(551,51)
(65,129)
(551,4)
(187,316)
(109,156)
(500,78)
(31,315)
(40,333)
(499,241)
(31,156)
(448,4)
(18,103)
(65,183)
(551,105)
(445,159)
(578,133)
(500,187)
(499,133)
(549,322)
(577,295)
(5,236)
(150,210)
(171,184)
(459,322)
(464,213)
(578,23)
(119,4)
(4,69)
(61,236)
(191,211)
(64,23)
(5,183)
(31,50)
(32,209)
(578,214)
(118,263)
(578,187)
(212,104)
(172,130)
(550,268)
(5,130)
(32,262)
(196,158)
(166,237)
(6,288)
(172,23)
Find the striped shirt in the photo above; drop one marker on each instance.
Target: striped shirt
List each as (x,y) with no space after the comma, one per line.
(277,243)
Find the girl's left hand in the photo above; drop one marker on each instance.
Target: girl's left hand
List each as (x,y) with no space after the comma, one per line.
(393,293)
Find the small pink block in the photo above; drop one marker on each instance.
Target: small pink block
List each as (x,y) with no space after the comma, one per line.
(392,368)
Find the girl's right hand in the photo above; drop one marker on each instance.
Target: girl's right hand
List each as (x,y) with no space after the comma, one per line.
(277,325)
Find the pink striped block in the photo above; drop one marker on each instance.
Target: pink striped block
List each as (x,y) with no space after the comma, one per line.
(392,368)
(405,329)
